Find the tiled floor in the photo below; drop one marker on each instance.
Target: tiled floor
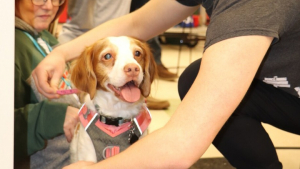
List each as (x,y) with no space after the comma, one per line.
(168,90)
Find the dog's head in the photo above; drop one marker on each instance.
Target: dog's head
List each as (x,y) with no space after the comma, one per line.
(121,65)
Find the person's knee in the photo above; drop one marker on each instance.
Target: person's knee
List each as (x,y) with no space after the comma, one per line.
(187,78)
(181,90)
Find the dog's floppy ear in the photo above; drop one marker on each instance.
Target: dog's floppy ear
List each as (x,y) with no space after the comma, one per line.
(82,72)
(150,71)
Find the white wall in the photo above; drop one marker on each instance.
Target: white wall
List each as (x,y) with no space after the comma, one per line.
(6,83)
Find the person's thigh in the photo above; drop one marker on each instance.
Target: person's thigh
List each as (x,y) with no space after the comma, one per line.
(243,140)
(271,105)
(252,145)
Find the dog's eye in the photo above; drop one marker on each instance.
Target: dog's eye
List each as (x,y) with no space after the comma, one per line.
(107,56)
(137,53)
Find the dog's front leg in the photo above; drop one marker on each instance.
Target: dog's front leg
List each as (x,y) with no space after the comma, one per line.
(82,147)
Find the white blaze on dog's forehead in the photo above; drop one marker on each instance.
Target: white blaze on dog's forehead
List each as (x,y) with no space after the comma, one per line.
(122,43)
(124,51)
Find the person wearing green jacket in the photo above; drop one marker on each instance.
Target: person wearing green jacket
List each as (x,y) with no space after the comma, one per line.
(40,124)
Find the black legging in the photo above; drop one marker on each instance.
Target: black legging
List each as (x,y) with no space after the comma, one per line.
(243,140)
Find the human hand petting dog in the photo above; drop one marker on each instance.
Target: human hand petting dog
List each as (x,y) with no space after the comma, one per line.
(71,121)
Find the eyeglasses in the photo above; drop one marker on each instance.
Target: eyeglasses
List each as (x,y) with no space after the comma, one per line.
(42,2)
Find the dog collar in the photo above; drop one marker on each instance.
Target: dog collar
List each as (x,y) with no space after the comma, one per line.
(110,120)
(113,121)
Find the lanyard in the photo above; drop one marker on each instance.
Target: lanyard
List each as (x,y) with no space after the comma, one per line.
(43,53)
(69,89)
(37,45)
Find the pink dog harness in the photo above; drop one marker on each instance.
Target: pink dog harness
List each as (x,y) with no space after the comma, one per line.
(109,140)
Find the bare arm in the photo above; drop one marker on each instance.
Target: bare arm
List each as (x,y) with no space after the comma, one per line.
(226,72)
(150,20)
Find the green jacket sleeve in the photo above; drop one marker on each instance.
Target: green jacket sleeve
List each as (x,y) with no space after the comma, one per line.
(35,122)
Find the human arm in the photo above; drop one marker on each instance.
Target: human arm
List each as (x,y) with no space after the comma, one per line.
(226,72)
(157,18)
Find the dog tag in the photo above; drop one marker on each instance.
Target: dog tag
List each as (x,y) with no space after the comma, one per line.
(135,132)
(133,138)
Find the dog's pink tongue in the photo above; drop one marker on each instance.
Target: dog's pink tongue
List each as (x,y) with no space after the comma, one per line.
(130,93)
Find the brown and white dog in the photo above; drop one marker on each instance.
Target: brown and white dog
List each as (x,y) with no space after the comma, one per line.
(117,73)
